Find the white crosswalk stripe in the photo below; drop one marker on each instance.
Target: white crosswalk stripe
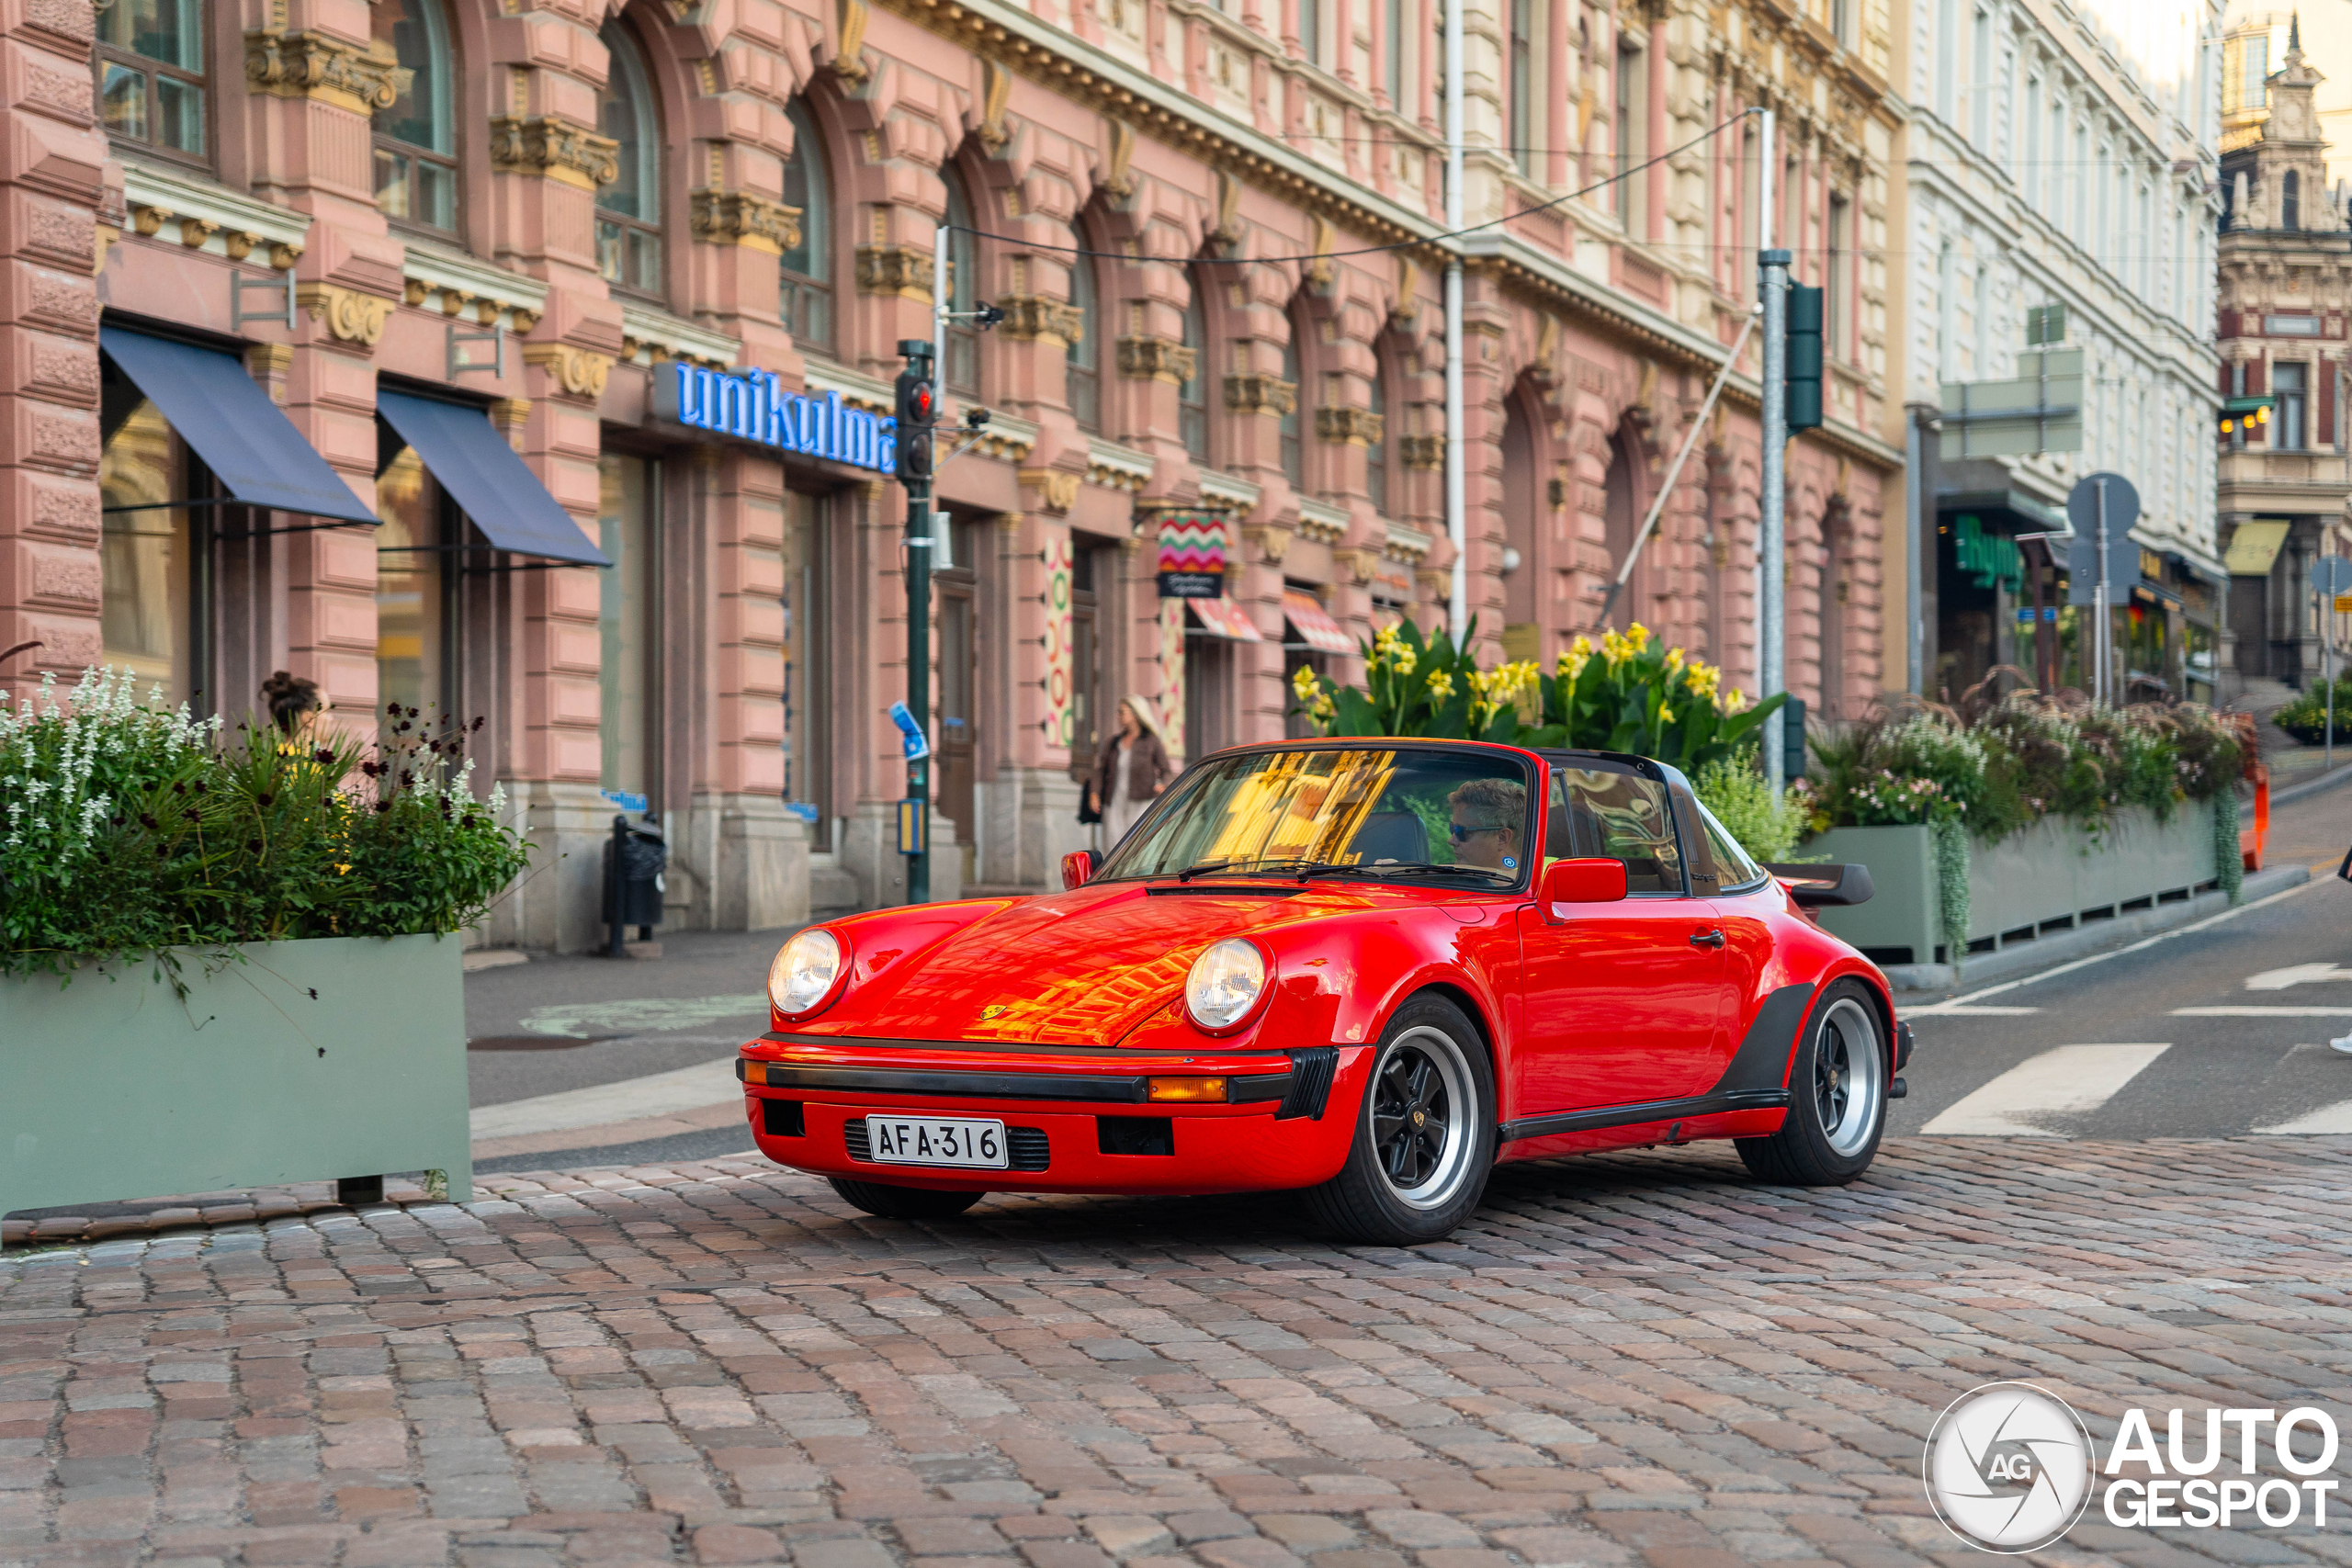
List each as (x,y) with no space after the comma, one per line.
(2255,1011)
(2296,975)
(2336,1118)
(2071,1080)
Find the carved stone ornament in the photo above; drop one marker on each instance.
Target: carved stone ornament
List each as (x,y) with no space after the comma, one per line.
(738,217)
(995,92)
(1158,359)
(1271,543)
(362,78)
(348,315)
(1258,393)
(1356,427)
(1426,453)
(849,61)
(1057,490)
(578,371)
(1362,562)
(553,149)
(1029,318)
(904,270)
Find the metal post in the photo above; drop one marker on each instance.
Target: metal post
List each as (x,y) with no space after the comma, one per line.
(2326,670)
(1772,283)
(941,301)
(919,676)
(2098,603)
(1915,452)
(1457,524)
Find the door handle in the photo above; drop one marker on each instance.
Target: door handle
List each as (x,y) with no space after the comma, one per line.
(1706,939)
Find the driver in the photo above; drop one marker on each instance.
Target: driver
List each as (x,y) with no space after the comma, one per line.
(1488,817)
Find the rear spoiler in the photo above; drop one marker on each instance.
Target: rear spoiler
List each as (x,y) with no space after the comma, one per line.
(1813,886)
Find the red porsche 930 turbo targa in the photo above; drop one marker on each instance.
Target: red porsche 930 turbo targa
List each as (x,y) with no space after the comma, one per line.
(1362,969)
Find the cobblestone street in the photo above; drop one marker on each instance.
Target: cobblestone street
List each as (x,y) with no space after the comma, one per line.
(1635,1359)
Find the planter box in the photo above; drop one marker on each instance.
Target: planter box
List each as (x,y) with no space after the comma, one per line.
(309,1061)
(2053,876)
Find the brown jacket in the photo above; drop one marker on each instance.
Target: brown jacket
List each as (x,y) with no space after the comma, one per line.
(1153,766)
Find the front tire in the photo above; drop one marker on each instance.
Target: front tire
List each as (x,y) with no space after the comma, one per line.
(1425,1133)
(1837,1098)
(903,1203)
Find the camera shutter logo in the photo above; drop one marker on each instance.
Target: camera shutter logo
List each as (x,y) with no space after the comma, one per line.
(2008,1468)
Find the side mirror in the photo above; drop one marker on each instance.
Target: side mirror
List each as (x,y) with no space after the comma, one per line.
(1581,882)
(1078,868)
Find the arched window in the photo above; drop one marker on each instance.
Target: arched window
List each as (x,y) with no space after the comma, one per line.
(1191,401)
(2290,200)
(1084,356)
(151,74)
(807,301)
(1376,452)
(963,369)
(629,210)
(1294,450)
(416,138)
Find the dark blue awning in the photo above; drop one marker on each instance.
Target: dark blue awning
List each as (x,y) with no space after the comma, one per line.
(227,420)
(461,449)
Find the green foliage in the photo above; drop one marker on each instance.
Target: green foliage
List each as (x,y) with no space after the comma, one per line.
(1950,838)
(128,829)
(2229,861)
(1629,695)
(2305,718)
(1734,788)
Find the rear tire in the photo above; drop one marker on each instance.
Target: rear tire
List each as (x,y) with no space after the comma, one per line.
(1837,1096)
(903,1203)
(1425,1133)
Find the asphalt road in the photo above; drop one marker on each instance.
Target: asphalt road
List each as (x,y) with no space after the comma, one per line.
(2214,1030)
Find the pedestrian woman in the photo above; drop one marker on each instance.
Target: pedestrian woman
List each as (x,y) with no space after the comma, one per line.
(1129,770)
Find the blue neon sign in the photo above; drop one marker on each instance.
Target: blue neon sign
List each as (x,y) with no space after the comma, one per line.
(753,406)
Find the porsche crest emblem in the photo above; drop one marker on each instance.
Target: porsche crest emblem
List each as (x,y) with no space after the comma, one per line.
(994,1010)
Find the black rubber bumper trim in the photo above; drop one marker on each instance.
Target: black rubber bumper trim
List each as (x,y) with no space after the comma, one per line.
(1902,1046)
(1156,1061)
(1312,1070)
(1762,1060)
(1648,1111)
(1095,1087)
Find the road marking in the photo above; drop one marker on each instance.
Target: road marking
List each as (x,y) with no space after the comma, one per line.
(2252,1011)
(2069,1081)
(1953,1009)
(658,1094)
(2296,975)
(2141,945)
(2336,1118)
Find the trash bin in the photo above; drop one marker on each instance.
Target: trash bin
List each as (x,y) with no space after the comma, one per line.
(635,861)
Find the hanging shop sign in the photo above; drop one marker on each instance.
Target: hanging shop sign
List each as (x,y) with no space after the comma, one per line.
(1192,556)
(753,405)
(1061,712)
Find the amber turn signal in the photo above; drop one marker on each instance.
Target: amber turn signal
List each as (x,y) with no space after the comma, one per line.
(755,1072)
(1194,1089)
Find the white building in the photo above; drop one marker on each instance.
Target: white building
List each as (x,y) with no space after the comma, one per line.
(2062,157)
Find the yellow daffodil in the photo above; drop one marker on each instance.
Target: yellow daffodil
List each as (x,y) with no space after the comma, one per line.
(1303,684)
(1440,685)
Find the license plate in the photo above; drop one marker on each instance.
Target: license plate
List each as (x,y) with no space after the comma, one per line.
(936,1140)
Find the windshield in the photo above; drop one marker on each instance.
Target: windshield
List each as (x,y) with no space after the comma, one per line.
(1385,812)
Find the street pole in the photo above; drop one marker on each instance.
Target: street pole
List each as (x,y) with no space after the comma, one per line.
(2104,652)
(1772,284)
(2327,670)
(1457,524)
(918,548)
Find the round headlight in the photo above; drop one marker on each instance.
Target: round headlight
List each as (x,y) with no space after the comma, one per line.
(804,972)
(1225,984)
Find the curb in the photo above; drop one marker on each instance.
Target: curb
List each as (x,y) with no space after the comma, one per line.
(2311,786)
(1918,979)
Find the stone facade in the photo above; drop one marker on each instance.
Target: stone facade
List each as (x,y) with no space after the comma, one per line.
(1216,235)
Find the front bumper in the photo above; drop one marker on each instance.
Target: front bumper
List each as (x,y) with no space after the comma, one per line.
(1075,1120)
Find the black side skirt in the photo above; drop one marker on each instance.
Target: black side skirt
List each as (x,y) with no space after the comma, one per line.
(1684,1109)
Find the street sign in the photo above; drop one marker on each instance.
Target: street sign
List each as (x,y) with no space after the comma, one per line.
(2041,409)
(2331,574)
(2343,603)
(2102,508)
(918,744)
(628,800)
(2122,504)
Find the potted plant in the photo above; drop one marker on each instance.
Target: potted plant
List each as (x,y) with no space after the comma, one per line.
(227,956)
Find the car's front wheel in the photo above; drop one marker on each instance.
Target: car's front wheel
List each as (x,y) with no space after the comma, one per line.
(903,1203)
(1425,1133)
(1837,1098)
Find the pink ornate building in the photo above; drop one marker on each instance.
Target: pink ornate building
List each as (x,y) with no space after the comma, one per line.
(1211,230)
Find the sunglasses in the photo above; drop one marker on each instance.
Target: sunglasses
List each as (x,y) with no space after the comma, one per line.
(1461,832)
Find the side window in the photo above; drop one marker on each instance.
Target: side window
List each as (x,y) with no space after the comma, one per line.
(1734,871)
(1716,862)
(1615,816)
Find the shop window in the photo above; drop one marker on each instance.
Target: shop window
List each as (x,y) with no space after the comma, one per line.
(1084,356)
(629,210)
(415,600)
(1192,400)
(1294,449)
(963,370)
(1375,453)
(629,667)
(151,74)
(807,268)
(148,618)
(808,669)
(416,138)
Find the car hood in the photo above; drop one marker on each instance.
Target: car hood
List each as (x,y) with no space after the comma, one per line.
(1078,968)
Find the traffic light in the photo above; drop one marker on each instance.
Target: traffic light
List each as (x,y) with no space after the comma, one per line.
(918,409)
(1804,357)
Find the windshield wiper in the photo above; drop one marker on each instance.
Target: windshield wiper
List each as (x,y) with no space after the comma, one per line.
(1258,867)
(1416,867)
